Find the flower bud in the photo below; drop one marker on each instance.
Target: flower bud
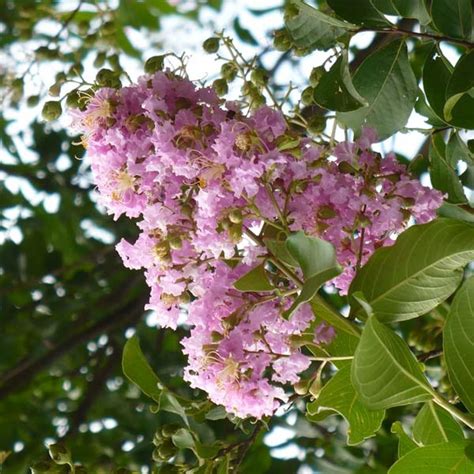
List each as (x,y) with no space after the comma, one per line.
(326,212)
(106,77)
(307,96)
(259,77)
(169,430)
(316,124)
(154,64)
(51,110)
(220,87)
(282,40)
(59,453)
(229,71)
(235,216)
(99,59)
(315,76)
(33,100)
(211,45)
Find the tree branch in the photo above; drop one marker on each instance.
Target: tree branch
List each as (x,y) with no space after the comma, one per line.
(21,375)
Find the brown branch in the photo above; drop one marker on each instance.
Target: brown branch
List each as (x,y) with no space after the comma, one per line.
(404,32)
(21,375)
(429,355)
(93,390)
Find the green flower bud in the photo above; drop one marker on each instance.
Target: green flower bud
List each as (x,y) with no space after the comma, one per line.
(282,40)
(166,450)
(175,242)
(99,59)
(307,96)
(220,87)
(316,124)
(229,71)
(105,77)
(211,45)
(154,64)
(259,77)
(72,99)
(235,216)
(55,89)
(169,430)
(59,453)
(33,100)
(51,110)
(315,76)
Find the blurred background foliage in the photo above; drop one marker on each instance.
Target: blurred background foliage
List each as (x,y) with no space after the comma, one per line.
(67,305)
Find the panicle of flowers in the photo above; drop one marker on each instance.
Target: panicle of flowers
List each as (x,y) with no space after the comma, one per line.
(198,175)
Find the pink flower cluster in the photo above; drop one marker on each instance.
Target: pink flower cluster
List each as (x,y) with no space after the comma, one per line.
(200,175)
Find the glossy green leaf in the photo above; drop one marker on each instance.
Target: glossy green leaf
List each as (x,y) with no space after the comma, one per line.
(279,249)
(339,395)
(457,150)
(458,343)
(434,425)
(436,75)
(385,79)
(312,29)
(453,17)
(317,259)
(405,443)
(384,371)
(137,369)
(460,93)
(335,90)
(365,13)
(312,254)
(453,211)
(255,280)
(412,9)
(443,458)
(422,269)
(443,174)
(385,6)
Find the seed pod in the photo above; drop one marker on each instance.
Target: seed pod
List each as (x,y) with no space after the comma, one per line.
(259,77)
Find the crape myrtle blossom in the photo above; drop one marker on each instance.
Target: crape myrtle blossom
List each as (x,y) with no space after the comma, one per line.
(197,173)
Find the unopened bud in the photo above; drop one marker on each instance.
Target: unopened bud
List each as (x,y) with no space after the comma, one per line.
(220,87)
(51,110)
(211,45)
(59,453)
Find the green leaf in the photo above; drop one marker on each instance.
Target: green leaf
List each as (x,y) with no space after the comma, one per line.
(422,269)
(443,458)
(436,74)
(453,211)
(458,343)
(457,150)
(335,90)
(453,17)
(244,34)
(434,425)
(339,395)
(385,79)
(312,254)
(317,259)
(413,9)
(255,280)
(365,13)
(385,6)
(279,249)
(137,369)
(460,93)
(384,371)
(443,174)
(312,29)
(183,439)
(405,443)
